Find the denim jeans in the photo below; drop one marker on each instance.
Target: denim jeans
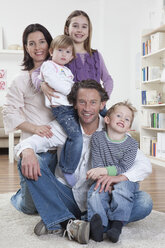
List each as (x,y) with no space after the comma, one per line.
(103,112)
(53,200)
(128,204)
(67,117)
(22,200)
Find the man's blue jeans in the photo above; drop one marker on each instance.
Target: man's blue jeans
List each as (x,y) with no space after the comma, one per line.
(53,200)
(70,155)
(22,200)
(126,203)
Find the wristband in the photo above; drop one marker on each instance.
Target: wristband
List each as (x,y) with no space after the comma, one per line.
(112,171)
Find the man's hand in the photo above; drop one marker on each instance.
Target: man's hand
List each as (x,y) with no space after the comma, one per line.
(107,182)
(30,165)
(95,173)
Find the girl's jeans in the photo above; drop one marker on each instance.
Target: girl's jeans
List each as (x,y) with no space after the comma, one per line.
(70,155)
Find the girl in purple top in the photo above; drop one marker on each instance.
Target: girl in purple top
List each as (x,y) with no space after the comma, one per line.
(88,63)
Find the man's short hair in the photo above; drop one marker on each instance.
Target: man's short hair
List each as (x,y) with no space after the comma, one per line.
(87,84)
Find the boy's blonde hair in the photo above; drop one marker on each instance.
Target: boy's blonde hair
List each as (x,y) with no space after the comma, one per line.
(62,41)
(126,104)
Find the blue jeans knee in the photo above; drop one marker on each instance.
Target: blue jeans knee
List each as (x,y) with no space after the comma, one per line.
(22,200)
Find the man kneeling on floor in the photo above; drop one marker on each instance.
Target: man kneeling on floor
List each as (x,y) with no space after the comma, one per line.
(60,205)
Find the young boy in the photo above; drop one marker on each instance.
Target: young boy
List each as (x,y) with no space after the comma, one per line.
(113,153)
(60,78)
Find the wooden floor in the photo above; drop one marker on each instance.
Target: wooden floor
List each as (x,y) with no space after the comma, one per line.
(154,184)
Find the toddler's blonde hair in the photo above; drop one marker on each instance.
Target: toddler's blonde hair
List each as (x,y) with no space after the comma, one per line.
(62,41)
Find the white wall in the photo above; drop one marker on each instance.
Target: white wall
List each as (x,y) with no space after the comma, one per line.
(117,28)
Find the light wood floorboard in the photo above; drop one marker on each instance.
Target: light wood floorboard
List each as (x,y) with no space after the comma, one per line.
(154,184)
